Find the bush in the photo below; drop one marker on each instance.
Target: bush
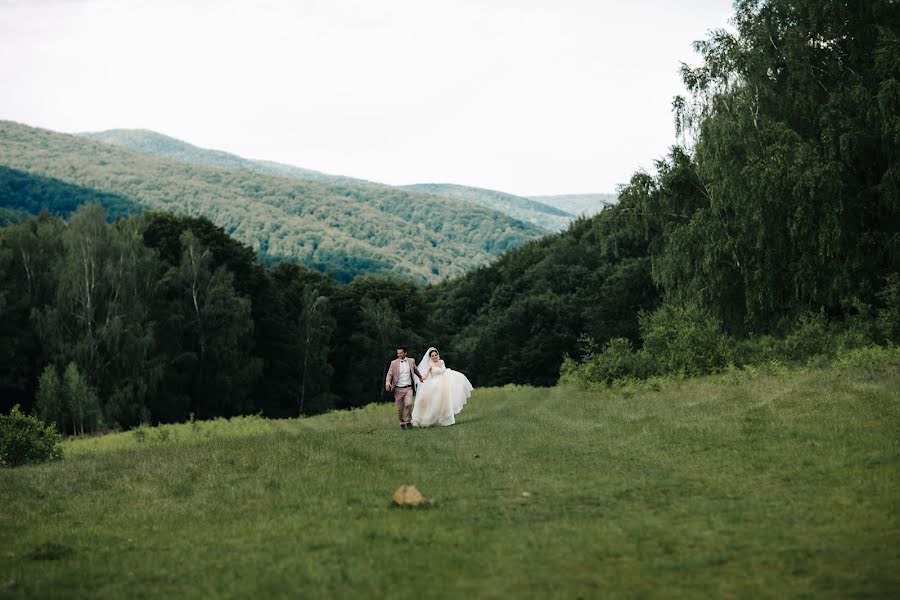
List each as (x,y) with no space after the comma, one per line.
(616,361)
(872,358)
(25,439)
(686,339)
(758,349)
(809,338)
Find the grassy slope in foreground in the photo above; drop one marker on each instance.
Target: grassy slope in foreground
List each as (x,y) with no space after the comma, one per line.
(750,486)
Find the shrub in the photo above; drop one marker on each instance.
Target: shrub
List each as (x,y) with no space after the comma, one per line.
(25,439)
(616,361)
(684,338)
(809,338)
(758,349)
(871,358)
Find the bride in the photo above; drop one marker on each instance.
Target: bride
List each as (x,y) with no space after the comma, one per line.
(442,393)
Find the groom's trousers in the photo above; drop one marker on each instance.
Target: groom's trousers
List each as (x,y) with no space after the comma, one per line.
(403,397)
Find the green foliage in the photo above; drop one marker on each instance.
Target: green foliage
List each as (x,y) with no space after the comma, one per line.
(374,315)
(215,332)
(795,163)
(25,439)
(875,359)
(81,401)
(616,362)
(685,338)
(525,312)
(25,193)
(779,221)
(808,338)
(50,405)
(678,340)
(99,317)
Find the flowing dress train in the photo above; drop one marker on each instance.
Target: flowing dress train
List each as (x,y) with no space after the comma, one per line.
(440,397)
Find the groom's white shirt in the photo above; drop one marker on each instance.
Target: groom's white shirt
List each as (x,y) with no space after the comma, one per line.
(404,379)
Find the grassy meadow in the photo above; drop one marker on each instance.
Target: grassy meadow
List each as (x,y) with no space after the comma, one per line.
(762,483)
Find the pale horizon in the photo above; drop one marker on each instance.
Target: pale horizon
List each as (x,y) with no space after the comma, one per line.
(530,98)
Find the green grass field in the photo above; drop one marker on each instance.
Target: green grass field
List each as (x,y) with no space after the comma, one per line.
(740,485)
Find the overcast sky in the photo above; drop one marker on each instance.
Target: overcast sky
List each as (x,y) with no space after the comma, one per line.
(525,96)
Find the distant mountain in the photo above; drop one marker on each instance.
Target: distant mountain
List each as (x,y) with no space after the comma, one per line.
(543,215)
(523,209)
(578,204)
(151,142)
(334,227)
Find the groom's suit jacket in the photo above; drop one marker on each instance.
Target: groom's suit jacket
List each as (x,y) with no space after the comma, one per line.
(393,374)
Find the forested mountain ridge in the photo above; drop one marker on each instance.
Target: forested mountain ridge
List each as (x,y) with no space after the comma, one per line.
(518,207)
(332,227)
(553,214)
(151,142)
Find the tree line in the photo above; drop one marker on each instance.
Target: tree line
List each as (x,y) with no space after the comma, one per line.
(157,317)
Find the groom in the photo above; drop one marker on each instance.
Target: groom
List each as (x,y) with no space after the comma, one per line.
(400,380)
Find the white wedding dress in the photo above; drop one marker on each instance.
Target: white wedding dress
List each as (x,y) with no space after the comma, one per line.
(440,397)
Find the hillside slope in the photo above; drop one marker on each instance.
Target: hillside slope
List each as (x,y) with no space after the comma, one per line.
(743,485)
(331,227)
(151,142)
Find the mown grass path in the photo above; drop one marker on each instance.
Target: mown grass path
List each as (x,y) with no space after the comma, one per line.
(764,486)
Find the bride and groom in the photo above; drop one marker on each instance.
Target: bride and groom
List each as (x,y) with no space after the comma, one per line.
(440,393)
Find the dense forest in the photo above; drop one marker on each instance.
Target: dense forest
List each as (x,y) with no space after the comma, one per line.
(771,233)
(336,228)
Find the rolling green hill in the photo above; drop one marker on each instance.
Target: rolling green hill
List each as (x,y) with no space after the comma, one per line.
(578,204)
(151,142)
(544,215)
(342,228)
(743,485)
(523,209)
